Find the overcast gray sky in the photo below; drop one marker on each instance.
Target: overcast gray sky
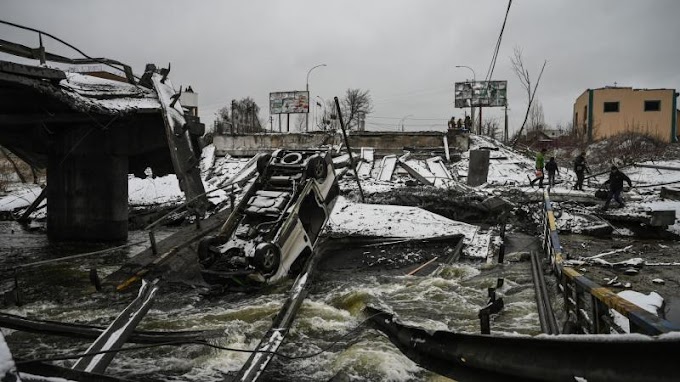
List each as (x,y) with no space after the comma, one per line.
(404,52)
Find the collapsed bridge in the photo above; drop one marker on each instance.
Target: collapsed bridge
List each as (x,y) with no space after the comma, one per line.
(90,133)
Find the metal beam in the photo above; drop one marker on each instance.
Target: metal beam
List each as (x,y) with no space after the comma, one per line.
(115,336)
(547,358)
(66,329)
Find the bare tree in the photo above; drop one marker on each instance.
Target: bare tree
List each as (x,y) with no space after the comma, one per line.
(14,164)
(491,128)
(300,123)
(356,102)
(520,71)
(536,120)
(222,121)
(525,79)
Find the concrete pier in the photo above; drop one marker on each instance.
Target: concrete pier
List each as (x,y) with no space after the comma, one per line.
(88,189)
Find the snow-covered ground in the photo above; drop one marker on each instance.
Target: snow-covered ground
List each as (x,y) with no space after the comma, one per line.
(389,221)
(19,195)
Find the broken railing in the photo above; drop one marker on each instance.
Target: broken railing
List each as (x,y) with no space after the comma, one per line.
(588,304)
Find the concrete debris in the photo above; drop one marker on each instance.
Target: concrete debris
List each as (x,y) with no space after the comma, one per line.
(387,166)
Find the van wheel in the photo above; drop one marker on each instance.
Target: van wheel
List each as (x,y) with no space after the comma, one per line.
(292,158)
(316,168)
(205,256)
(267,258)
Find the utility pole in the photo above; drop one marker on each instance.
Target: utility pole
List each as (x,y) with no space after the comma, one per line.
(479,132)
(505,136)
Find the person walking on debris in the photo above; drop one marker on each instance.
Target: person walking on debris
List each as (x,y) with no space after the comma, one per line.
(540,162)
(580,166)
(552,168)
(615,182)
(459,124)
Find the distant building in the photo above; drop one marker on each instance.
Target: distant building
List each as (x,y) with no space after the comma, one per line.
(554,133)
(603,112)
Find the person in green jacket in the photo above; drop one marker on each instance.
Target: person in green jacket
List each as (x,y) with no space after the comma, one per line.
(540,162)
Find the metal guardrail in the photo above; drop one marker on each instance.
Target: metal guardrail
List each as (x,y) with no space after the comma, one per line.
(587,304)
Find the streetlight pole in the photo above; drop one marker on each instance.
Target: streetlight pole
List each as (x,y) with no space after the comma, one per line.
(403,120)
(307,88)
(472,109)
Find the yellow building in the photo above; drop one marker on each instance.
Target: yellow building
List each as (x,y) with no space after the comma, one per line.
(600,113)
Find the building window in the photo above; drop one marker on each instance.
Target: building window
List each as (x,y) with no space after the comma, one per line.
(652,105)
(611,107)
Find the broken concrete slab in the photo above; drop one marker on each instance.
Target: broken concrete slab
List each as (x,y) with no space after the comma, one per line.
(662,218)
(418,172)
(670,193)
(387,165)
(479,167)
(496,204)
(438,168)
(366,164)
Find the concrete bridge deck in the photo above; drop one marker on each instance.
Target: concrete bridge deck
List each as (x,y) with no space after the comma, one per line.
(89,133)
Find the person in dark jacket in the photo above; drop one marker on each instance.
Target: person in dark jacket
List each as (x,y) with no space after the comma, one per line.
(540,162)
(580,166)
(615,182)
(551,168)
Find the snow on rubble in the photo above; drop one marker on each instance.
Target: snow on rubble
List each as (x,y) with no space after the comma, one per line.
(390,221)
(651,302)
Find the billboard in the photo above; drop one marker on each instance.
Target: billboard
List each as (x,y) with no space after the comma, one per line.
(481,93)
(289,102)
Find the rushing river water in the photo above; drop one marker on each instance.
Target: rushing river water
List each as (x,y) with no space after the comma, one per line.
(332,311)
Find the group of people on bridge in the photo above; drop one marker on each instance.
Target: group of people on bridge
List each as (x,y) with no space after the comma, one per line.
(460,124)
(614,183)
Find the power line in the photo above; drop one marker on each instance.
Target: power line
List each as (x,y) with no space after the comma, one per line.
(413,94)
(492,65)
(410,119)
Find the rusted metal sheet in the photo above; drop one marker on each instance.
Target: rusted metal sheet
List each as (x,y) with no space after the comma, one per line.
(184,157)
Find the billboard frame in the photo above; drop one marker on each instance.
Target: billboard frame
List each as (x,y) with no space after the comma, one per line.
(289,102)
(481,94)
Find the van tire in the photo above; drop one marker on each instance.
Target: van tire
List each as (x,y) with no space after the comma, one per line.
(267,258)
(316,168)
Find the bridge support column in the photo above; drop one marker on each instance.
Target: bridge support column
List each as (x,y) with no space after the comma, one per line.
(87,185)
